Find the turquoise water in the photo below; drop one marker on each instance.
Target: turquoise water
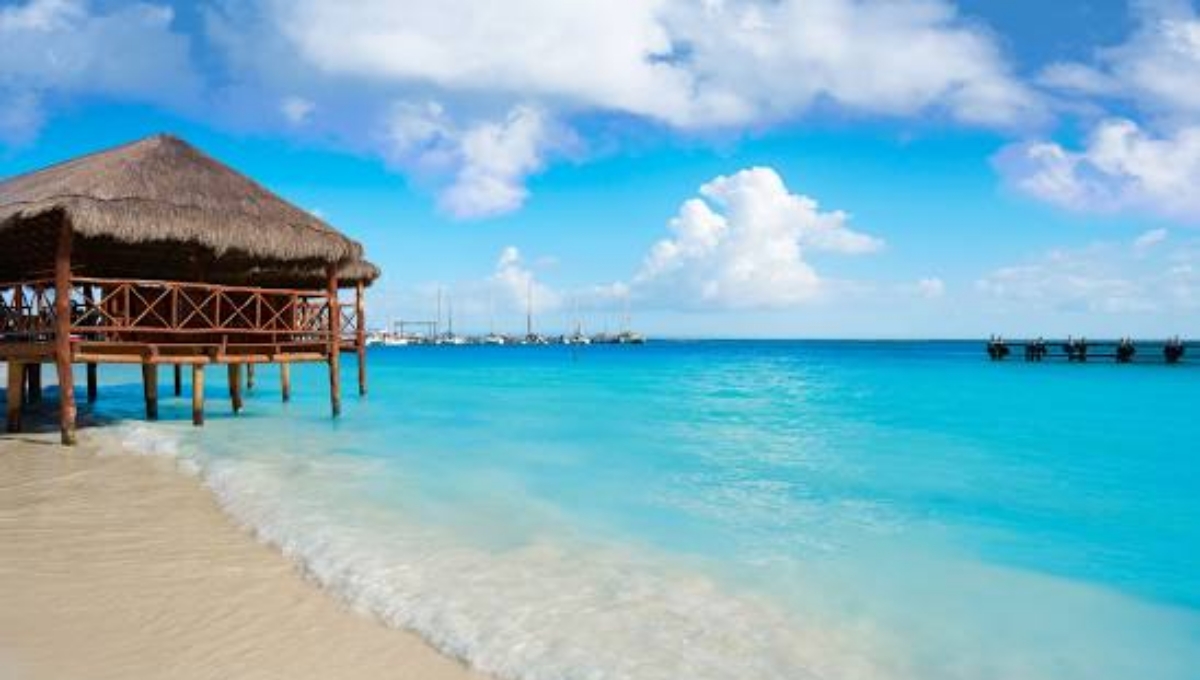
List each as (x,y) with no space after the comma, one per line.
(732,509)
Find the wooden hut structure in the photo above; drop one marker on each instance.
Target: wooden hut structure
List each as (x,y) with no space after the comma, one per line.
(154,253)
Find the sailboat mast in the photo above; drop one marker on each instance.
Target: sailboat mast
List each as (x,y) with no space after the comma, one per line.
(491,313)
(625,321)
(529,308)
(437,324)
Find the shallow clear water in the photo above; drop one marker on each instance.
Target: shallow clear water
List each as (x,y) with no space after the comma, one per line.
(733,509)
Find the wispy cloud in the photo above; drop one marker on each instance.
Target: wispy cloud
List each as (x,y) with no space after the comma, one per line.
(506,95)
(1103,278)
(54,49)
(1157,68)
(1121,167)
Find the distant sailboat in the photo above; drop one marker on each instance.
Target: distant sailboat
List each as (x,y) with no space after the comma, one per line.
(448,338)
(578,337)
(531,338)
(627,335)
(492,338)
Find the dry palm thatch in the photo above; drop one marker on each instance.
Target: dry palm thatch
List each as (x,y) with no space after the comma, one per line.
(349,274)
(163,193)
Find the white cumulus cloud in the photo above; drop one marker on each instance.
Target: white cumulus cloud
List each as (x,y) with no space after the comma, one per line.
(509,78)
(742,244)
(487,161)
(67,47)
(514,286)
(683,62)
(1120,167)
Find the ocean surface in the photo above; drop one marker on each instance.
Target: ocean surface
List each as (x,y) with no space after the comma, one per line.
(734,510)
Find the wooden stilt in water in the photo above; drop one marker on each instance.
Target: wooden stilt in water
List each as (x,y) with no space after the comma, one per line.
(360,338)
(150,388)
(335,342)
(249,377)
(285,380)
(197,394)
(62,334)
(16,388)
(33,376)
(178,380)
(89,303)
(235,386)
(91,382)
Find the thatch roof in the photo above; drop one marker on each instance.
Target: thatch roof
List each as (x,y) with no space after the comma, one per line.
(349,274)
(162,197)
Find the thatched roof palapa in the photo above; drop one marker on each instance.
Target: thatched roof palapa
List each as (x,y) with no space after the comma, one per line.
(160,208)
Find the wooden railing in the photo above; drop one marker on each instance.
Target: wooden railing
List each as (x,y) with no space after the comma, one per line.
(168,312)
(27,311)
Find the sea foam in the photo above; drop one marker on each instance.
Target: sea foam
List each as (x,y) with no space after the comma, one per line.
(562,607)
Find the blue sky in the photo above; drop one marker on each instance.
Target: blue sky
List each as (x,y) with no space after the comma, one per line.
(912,168)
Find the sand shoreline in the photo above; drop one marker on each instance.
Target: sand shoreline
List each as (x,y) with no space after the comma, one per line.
(120,566)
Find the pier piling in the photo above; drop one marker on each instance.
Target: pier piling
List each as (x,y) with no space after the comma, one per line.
(235,387)
(150,387)
(33,376)
(16,388)
(335,342)
(1080,350)
(361,338)
(285,381)
(92,379)
(197,394)
(62,334)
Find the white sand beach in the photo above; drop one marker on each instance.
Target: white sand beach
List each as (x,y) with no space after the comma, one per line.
(117,566)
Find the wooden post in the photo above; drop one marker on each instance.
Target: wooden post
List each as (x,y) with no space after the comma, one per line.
(16,386)
(62,334)
(249,377)
(178,380)
(33,375)
(285,380)
(150,389)
(360,337)
(235,386)
(335,343)
(91,382)
(197,394)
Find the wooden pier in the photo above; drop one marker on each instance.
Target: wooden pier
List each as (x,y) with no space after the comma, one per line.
(154,254)
(1080,350)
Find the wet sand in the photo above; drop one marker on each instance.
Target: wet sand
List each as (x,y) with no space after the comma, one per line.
(118,566)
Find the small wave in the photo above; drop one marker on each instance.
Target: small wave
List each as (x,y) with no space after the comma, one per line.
(563,607)
(546,610)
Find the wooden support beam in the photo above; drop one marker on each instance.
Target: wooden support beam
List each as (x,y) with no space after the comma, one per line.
(285,380)
(92,380)
(150,387)
(33,378)
(335,339)
(16,387)
(62,334)
(249,377)
(360,337)
(36,351)
(178,371)
(197,394)
(235,386)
